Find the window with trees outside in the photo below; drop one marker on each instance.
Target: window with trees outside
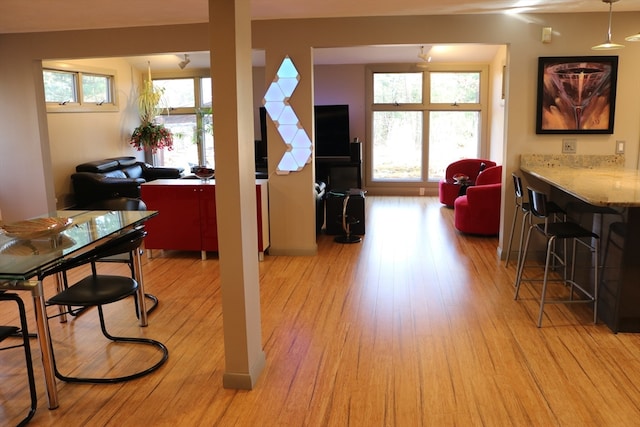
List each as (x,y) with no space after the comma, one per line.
(186,112)
(423,120)
(68,90)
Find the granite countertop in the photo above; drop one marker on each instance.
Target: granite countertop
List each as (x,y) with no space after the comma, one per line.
(598,180)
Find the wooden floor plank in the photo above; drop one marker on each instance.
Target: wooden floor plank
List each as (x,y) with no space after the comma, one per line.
(414,326)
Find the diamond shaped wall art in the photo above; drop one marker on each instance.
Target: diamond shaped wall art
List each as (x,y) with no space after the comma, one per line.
(276,102)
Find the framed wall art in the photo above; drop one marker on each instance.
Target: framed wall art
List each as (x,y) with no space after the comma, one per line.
(576,94)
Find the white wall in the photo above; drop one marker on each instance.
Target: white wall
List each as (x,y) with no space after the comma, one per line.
(24,150)
(81,137)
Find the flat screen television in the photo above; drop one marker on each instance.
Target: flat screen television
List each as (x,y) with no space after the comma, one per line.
(332,131)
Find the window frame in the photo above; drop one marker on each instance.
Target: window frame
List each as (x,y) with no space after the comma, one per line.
(78,106)
(426,106)
(196,76)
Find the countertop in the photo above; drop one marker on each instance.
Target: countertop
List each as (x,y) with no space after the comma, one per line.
(598,180)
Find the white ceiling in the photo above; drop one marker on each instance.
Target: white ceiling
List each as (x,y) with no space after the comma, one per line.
(349,55)
(18,16)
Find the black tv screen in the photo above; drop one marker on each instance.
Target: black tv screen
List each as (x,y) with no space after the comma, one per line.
(332,131)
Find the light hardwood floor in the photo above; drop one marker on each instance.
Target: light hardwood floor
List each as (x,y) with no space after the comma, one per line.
(415,326)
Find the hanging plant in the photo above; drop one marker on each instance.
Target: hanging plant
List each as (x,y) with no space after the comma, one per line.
(150,136)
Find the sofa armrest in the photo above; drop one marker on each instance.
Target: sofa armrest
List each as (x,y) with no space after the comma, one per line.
(151,173)
(90,187)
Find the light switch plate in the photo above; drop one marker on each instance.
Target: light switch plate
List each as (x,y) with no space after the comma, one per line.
(619,147)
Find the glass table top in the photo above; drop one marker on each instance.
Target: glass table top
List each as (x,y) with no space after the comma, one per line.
(24,258)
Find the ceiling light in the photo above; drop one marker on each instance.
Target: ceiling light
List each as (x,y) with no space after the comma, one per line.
(425,58)
(608,45)
(184,63)
(633,38)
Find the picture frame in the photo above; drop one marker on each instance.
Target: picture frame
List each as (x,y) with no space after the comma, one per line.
(576,94)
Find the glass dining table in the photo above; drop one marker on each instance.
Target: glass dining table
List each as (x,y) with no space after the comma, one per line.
(25,253)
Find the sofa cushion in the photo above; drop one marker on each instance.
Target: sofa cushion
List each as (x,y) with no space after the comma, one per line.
(134,171)
(114,174)
(98,166)
(125,161)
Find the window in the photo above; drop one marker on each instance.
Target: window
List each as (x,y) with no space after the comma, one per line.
(423,120)
(78,90)
(187,113)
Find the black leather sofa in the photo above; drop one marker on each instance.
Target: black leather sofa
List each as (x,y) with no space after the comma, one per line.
(113,178)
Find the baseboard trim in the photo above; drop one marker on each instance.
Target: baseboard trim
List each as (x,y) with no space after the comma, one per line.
(244,380)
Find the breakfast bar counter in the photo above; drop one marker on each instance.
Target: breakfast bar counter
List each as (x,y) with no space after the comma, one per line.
(603,181)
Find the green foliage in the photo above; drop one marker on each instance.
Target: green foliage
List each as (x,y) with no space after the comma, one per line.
(149,101)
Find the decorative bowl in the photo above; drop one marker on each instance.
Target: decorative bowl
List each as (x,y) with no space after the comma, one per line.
(36,228)
(460,178)
(204,173)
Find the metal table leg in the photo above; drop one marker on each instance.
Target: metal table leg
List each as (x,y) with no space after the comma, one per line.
(44,339)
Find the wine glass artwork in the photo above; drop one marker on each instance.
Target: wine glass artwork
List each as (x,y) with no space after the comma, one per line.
(576,94)
(578,83)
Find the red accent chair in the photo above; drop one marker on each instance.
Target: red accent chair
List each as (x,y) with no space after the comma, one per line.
(478,212)
(448,189)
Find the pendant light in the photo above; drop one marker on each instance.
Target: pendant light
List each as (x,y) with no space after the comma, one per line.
(608,44)
(633,38)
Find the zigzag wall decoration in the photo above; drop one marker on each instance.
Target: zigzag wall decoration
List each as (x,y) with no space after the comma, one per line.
(276,102)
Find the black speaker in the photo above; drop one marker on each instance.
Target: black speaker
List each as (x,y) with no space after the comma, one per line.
(355,210)
(355,149)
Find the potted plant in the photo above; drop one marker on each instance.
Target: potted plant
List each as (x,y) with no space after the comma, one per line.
(150,135)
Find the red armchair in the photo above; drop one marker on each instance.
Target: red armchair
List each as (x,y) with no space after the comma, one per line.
(448,189)
(478,212)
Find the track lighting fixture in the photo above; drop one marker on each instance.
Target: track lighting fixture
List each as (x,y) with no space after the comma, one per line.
(184,63)
(424,56)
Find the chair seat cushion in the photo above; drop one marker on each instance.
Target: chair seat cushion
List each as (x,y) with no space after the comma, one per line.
(98,290)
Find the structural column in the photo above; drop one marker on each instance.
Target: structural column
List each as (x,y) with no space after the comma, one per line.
(231,72)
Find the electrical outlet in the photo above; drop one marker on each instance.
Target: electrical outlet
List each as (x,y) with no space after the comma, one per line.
(569,145)
(619,147)
(422,191)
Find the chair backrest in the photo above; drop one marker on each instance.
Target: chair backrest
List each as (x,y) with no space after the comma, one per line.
(491,175)
(469,167)
(118,204)
(123,243)
(538,203)
(517,186)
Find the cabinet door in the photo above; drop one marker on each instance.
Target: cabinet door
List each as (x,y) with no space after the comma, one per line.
(177,225)
(208,220)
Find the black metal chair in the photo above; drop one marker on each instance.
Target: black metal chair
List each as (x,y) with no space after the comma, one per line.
(553,231)
(96,290)
(522,206)
(9,331)
(124,204)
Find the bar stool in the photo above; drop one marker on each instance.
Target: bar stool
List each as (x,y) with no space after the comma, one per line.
(520,206)
(577,210)
(553,231)
(524,207)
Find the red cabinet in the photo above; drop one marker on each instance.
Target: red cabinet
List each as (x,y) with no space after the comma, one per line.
(187,215)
